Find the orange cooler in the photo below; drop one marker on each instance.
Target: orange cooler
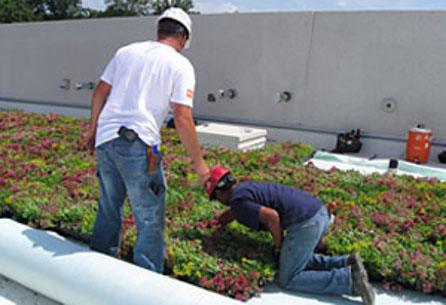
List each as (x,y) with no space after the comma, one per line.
(418,144)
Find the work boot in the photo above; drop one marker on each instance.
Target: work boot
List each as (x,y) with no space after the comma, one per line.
(352,259)
(356,263)
(361,286)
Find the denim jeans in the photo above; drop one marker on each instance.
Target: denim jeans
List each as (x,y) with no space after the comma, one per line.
(302,270)
(122,169)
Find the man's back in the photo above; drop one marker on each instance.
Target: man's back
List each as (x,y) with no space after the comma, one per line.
(293,205)
(145,77)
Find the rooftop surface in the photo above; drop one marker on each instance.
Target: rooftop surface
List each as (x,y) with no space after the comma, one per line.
(12,293)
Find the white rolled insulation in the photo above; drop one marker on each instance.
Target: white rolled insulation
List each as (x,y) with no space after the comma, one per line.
(72,274)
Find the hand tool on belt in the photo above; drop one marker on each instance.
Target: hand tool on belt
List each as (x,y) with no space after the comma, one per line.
(152,159)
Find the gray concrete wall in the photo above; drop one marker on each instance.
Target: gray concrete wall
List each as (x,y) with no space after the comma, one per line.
(339,66)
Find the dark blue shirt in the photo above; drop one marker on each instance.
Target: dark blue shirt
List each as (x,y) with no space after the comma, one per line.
(293,205)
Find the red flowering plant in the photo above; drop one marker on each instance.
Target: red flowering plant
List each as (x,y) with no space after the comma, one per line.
(397,223)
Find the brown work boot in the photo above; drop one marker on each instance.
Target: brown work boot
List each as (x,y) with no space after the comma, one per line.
(361,286)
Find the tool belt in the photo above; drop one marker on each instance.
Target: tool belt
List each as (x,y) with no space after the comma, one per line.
(128,134)
(152,152)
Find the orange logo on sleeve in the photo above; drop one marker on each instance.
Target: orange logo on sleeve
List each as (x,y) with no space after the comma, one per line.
(189,93)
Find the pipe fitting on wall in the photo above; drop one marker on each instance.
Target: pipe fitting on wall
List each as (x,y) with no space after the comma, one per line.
(226,93)
(64,84)
(87,85)
(389,105)
(284,96)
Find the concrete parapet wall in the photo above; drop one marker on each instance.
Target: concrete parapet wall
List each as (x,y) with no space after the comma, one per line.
(340,67)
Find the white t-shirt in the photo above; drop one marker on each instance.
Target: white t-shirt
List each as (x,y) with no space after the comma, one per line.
(145,77)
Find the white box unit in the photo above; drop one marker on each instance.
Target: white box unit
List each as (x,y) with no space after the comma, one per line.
(231,136)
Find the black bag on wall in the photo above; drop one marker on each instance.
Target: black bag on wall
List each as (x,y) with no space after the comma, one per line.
(442,157)
(348,142)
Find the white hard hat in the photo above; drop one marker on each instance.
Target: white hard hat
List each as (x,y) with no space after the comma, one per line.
(177,14)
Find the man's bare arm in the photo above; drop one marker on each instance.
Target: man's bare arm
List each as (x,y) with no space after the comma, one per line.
(185,127)
(270,218)
(98,100)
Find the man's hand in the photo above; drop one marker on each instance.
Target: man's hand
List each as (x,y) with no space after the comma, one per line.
(225,217)
(91,140)
(222,221)
(276,256)
(203,173)
(216,234)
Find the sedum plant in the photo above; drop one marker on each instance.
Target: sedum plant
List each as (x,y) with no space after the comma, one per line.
(397,223)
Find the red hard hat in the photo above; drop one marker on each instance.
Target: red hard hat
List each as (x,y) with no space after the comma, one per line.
(217,173)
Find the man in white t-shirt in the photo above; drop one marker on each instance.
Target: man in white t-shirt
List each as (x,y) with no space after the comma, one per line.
(128,107)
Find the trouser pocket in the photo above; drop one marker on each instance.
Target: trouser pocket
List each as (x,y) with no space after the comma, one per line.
(157,186)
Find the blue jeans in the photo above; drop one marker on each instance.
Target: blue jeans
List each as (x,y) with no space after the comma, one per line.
(122,169)
(302,270)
